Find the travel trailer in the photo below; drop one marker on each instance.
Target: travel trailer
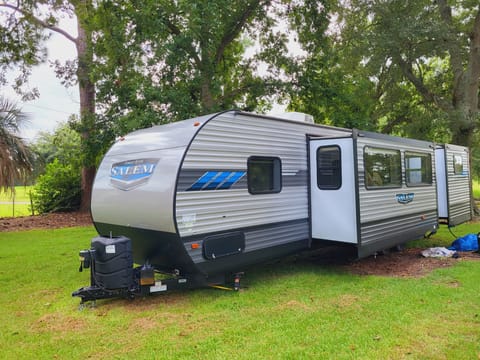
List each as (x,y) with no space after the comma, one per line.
(201,198)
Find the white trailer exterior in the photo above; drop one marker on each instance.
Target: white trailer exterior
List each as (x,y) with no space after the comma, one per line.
(216,193)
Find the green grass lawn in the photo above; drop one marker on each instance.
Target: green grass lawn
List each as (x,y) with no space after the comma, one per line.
(290,310)
(17,204)
(476,189)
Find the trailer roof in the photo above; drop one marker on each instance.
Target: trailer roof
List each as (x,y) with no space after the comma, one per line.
(165,136)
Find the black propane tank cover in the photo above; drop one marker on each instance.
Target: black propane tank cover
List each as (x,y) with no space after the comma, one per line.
(113,262)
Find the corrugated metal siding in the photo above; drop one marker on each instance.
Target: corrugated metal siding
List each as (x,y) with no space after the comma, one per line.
(226,142)
(399,226)
(379,204)
(202,212)
(458,186)
(379,209)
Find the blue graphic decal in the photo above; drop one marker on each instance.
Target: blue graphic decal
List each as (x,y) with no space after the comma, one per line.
(219,178)
(203,180)
(232,179)
(216,180)
(405,198)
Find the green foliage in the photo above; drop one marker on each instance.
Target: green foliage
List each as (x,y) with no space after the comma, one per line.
(58,189)
(95,134)
(333,94)
(418,57)
(329,85)
(185,59)
(63,144)
(58,166)
(401,111)
(302,309)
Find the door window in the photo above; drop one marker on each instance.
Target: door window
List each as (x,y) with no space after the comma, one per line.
(329,168)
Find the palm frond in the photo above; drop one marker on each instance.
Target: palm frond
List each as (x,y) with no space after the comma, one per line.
(15,155)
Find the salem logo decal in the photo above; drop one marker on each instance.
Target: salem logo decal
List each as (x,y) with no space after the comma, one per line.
(405,198)
(217,180)
(127,175)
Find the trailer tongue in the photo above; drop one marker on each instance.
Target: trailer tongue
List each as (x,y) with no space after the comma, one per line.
(113,275)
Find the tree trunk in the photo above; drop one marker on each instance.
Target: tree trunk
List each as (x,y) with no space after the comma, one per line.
(206,96)
(87,115)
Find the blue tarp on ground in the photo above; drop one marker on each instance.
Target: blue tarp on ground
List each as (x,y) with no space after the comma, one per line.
(468,242)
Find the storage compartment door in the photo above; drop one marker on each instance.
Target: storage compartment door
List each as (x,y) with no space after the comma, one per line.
(333,205)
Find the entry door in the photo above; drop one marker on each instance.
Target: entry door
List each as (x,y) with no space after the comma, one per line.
(332,181)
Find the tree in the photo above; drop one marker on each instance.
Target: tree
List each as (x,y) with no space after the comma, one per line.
(334,95)
(64,144)
(15,156)
(22,38)
(161,61)
(57,166)
(432,46)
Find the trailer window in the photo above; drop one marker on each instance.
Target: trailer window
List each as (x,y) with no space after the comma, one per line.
(264,175)
(458,164)
(329,169)
(383,168)
(418,169)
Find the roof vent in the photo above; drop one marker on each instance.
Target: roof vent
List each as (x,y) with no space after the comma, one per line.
(296,116)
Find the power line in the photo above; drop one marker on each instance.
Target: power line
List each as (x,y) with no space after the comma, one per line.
(49,109)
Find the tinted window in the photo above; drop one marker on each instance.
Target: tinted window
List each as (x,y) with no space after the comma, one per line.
(418,169)
(329,169)
(383,168)
(264,175)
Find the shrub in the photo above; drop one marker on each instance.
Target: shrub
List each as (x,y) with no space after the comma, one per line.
(58,189)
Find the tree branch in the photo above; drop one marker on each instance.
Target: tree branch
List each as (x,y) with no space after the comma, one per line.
(398,120)
(40,22)
(420,86)
(174,30)
(235,29)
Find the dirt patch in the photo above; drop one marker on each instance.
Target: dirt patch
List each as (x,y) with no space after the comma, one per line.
(405,263)
(293,305)
(58,323)
(47,221)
